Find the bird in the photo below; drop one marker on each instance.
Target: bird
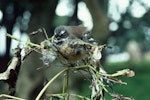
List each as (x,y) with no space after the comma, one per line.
(67,40)
(70,44)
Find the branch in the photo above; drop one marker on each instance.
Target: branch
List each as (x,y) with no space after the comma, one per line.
(120,97)
(11,74)
(12,97)
(12,66)
(46,86)
(27,43)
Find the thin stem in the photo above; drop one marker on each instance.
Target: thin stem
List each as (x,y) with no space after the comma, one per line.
(9,35)
(46,86)
(64,86)
(28,42)
(123,72)
(79,96)
(12,97)
(45,33)
(67,84)
(33,44)
(64,83)
(74,95)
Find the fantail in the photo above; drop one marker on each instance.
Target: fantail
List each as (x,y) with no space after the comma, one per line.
(67,39)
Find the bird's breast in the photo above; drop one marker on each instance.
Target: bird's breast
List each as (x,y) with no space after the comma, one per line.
(71,53)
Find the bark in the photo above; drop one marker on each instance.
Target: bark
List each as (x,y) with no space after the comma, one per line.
(100,20)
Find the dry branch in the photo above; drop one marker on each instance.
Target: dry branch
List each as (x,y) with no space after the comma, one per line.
(91,63)
(11,74)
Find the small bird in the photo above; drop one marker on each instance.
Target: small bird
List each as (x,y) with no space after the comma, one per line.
(70,44)
(67,40)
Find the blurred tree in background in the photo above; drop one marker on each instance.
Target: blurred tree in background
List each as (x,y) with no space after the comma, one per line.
(114,22)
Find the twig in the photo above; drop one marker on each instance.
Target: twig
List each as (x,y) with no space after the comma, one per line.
(27,43)
(12,97)
(119,97)
(11,74)
(35,32)
(45,33)
(124,72)
(5,75)
(75,95)
(46,86)
(67,84)
(9,35)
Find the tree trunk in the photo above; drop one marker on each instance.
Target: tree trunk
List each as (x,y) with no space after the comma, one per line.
(100,20)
